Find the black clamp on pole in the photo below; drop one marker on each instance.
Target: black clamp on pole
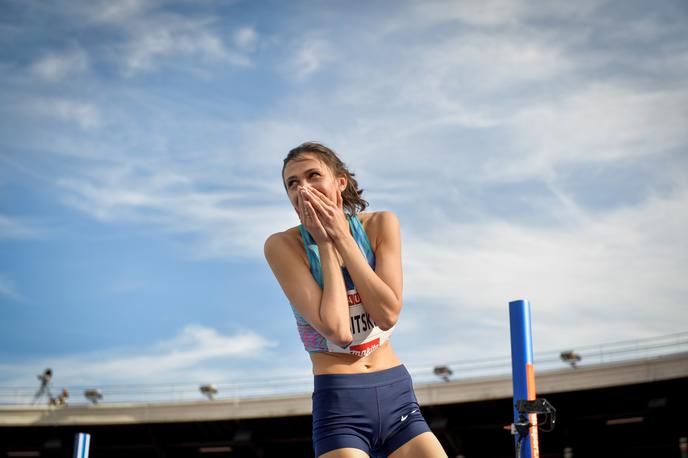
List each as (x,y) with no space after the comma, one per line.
(524,408)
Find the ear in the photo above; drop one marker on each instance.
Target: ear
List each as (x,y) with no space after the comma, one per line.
(342,182)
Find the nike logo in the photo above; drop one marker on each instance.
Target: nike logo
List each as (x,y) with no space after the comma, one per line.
(404,417)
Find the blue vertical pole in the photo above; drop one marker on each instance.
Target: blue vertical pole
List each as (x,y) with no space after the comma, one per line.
(82,443)
(523,373)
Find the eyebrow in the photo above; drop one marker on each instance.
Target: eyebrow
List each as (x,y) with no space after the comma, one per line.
(314,169)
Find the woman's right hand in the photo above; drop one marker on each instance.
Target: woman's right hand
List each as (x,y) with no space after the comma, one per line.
(309,219)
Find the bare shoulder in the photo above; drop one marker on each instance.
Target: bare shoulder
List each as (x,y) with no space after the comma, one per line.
(281,242)
(377,216)
(380,225)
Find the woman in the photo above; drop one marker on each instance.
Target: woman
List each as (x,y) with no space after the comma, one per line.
(341,271)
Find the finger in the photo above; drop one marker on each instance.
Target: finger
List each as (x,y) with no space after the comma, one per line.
(340,200)
(302,208)
(315,223)
(320,195)
(318,205)
(307,195)
(307,208)
(311,215)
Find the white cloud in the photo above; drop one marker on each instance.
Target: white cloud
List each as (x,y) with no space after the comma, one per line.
(312,53)
(86,115)
(483,13)
(596,124)
(197,353)
(193,346)
(493,62)
(246,38)
(58,66)
(14,228)
(170,201)
(611,277)
(147,34)
(170,36)
(118,12)
(493,13)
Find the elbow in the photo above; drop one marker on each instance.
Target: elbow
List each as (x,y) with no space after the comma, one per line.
(386,326)
(388,321)
(343,340)
(338,334)
(389,316)
(341,337)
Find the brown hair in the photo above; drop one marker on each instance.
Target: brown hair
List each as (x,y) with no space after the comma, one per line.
(351,196)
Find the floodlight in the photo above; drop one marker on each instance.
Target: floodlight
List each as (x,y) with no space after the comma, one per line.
(443,371)
(208,390)
(570,357)
(94,395)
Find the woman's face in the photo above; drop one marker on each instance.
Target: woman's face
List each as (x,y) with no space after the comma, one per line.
(307,170)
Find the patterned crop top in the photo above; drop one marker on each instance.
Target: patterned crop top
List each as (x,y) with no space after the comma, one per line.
(367,336)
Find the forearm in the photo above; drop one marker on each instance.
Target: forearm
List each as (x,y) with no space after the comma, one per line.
(334,306)
(379,299)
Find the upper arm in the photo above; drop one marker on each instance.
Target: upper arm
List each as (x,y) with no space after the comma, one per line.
(388,252)
(295,278)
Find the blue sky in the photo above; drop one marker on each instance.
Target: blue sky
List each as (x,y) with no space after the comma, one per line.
(530,149)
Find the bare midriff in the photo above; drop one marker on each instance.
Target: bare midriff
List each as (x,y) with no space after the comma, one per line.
(342,363)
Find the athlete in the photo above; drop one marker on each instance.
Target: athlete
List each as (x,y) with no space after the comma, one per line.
(341,271)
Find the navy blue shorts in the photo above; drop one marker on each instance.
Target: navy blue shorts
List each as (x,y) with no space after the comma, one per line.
(376,412)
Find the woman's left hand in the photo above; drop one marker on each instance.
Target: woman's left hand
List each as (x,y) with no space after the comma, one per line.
(331,214)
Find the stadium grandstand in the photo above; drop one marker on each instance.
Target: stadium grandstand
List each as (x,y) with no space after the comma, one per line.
(623,399)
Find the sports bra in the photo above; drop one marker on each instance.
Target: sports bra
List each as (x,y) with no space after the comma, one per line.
(367,336)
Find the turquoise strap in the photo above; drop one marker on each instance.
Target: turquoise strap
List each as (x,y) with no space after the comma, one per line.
(359,235)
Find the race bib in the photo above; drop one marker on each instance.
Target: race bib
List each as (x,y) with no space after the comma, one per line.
(367,336)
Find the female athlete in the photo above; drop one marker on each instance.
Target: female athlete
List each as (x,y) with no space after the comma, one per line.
(341,271)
